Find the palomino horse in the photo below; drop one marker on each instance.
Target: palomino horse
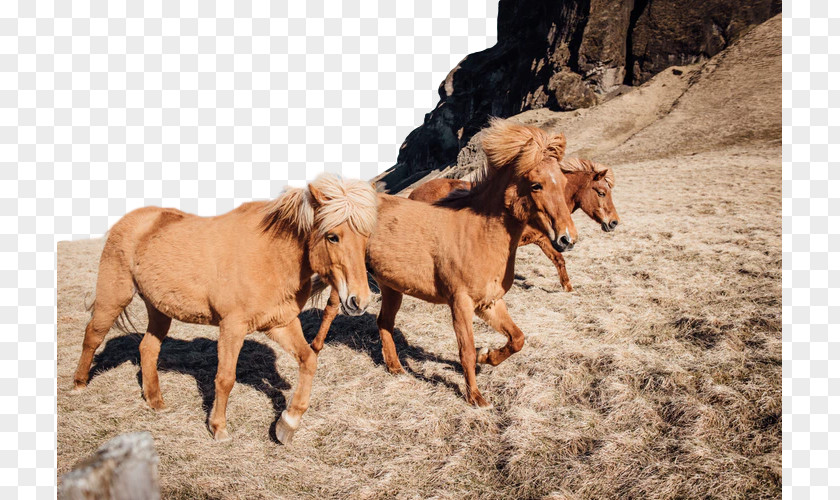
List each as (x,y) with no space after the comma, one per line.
(249,269)
(461,251)
(589,187)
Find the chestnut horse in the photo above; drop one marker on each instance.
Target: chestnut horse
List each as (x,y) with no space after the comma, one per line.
(461,251)
(247,270)
(589,187)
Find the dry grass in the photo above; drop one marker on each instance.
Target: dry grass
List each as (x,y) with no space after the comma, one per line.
(659,377)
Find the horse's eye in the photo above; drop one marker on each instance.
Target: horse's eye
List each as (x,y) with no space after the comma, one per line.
(601,193)
(536,186)
(332,238)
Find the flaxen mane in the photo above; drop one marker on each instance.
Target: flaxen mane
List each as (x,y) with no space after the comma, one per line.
(507,143)
(351,201)
(581,165)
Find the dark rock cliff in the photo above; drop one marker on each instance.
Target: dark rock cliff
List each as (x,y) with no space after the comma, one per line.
(565,55)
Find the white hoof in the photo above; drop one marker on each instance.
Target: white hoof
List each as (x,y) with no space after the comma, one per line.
(221,436)
(284,431)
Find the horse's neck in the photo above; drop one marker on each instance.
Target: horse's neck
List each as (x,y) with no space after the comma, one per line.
(499,234)
(289,244)
(575,184)
(499,226)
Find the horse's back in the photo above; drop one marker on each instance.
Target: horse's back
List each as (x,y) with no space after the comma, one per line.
(199,269)
(436,189)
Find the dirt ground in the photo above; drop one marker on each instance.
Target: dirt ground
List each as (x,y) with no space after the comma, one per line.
(658,377)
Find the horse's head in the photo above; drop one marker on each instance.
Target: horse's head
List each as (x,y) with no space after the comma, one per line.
(595,199)
(543,191)
(536,191)
(344,218)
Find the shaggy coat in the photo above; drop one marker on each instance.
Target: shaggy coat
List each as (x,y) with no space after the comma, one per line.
(246,270)
(589,187)
(461,251)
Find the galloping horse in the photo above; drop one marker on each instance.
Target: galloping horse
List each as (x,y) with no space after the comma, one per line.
(247,270)
(461,251)
(589,188)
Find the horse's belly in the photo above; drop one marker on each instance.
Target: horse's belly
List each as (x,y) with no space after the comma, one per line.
(409,287)
(181,305)
(490,293)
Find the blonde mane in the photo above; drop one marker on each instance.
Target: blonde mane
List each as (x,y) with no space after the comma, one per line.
(581,165)
(507,143)
(344,200)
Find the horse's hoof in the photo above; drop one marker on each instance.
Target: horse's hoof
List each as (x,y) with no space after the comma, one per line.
(396,370)
(160,408)
(78,389)
(481,356)
(479,401)
(221,436)
(283,431)
(568,288)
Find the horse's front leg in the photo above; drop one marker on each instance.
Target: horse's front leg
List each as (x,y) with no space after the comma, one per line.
(291,339)
(498,318)
(556,259)
(231,337)
(391,301)
(330,312)
(462,313)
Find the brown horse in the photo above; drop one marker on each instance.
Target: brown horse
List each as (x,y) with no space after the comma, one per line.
(249,269)
(589,188)
(461,251)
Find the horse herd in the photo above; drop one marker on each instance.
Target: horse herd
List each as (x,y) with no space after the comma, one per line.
(253,269)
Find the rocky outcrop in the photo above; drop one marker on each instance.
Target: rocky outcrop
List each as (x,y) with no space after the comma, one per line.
(566,55)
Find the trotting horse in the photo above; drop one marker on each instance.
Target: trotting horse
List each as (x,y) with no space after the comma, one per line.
(247,270)
(589,187)
(461,251)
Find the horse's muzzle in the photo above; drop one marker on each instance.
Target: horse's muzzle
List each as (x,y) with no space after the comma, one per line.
(564,243)
(609,226)
(351,306)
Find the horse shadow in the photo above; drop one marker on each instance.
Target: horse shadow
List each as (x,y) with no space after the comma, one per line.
(198,358)
(361,334)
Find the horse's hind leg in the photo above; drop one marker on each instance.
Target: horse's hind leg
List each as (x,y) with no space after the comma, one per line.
(149,351)
(497,317)
(114,291)
(292,341)
(391,301)
(330,311)
(556,259)
(462,313)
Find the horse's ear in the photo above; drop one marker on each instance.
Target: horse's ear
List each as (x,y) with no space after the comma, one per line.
(318,197)
(599,175)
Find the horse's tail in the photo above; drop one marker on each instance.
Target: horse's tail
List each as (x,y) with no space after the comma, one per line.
(124,322)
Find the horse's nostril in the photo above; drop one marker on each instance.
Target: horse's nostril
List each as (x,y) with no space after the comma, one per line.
(353,301)
(565,240)
(613,223)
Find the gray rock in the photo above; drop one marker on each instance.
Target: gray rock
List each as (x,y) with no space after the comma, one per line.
(565,55)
